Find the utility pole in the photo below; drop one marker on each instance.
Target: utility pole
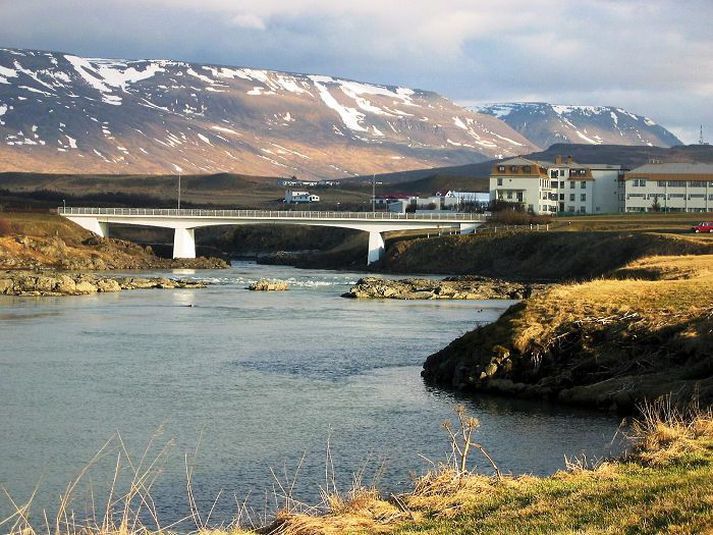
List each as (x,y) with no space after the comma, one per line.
(373,192)
(179,190)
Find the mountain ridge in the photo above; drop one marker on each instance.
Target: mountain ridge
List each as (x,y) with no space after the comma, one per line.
(60,112)
(546,124)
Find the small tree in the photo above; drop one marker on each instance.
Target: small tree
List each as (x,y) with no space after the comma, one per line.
(462,443)
(656,205)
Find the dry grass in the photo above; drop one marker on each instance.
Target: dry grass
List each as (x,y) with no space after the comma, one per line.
(664,485)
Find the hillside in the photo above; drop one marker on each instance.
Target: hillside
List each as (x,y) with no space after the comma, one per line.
(61,113)
(546,124)
(537,256)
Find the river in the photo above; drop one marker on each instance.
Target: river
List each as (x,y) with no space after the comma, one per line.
(250,381)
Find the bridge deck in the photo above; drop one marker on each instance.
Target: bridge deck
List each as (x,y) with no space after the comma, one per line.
(271,214)
(184,222)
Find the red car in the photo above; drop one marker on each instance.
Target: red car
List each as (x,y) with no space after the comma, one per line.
(703,227)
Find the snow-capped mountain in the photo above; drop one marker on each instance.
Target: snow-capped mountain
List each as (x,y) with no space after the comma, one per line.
(64,113)
(546,124)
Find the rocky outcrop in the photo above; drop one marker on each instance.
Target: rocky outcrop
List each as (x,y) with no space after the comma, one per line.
(267,285)
(466,287)
(91,254)
(28,283)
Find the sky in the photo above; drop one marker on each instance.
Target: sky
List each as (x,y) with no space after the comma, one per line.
(652,57)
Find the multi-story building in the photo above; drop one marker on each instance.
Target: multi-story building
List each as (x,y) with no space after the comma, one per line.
(524,182)
(563,186)
(669,187)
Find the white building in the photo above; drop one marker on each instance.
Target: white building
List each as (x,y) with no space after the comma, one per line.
(669,187)
(300,197)
(458,199)
(524,182)
(562,186)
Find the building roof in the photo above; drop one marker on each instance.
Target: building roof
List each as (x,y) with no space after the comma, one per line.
(674,169)
(518,160)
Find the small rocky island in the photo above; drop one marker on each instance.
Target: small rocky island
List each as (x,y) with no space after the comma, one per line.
(463,287)
(267,285)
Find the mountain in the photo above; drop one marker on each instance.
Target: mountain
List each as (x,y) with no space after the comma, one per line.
(64,113)
(546,124)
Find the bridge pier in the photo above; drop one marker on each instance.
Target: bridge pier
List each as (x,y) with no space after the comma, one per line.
(92,224)
(184,243)
(376,247)
(468,228)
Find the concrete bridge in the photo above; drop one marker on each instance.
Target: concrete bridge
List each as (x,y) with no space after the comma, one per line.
(184,222)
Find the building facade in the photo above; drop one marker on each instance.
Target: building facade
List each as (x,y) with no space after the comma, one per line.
(669,187)
(563,186)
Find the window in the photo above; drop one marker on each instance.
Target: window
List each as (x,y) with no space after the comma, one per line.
(501,168)
(513,168)
(526,169)
(509,194)
(570,208)
(696,184)
(642,182)
(571,197)
(561,196)
(582,210)
(583,197)
(583,184)
(554,173)
(500,181)
(571,184)
(661,183)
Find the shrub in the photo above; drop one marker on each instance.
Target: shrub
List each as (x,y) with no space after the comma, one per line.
(6,228)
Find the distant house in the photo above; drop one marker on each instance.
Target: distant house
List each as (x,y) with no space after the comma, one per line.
(300,197)
(462,198)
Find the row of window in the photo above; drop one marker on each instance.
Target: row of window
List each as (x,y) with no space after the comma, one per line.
(514,168)
(641,182)
(652,196)
(557,173)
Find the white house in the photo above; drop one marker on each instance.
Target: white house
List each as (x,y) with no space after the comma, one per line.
(300,197)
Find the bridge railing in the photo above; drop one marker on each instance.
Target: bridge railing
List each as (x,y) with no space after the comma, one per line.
(269,214)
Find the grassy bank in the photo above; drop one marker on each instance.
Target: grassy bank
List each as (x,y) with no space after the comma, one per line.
(609,343)
(663,484)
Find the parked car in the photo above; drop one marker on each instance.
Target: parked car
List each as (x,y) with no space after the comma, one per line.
(703,227)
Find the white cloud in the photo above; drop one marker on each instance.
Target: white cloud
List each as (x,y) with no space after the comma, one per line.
(248,20)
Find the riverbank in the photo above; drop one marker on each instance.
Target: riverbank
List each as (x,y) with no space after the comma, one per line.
(56,283)
(663,485)
(610,343)
(464,287)
(36,241)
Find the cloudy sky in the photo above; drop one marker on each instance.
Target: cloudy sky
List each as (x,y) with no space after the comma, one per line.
(652,57)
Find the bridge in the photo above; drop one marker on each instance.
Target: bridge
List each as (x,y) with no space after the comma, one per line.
(184,222)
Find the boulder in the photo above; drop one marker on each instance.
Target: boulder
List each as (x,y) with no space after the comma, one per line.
(266,285)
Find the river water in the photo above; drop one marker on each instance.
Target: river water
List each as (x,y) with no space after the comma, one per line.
(250,381)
